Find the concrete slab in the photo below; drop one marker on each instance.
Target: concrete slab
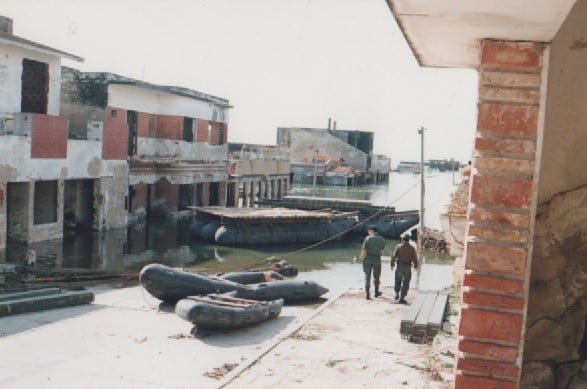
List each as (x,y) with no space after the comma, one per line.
(353,343)
(124,340)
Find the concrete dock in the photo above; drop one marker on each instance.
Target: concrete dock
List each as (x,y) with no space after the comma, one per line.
(126,339)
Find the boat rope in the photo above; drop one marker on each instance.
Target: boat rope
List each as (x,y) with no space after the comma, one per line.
(281,256)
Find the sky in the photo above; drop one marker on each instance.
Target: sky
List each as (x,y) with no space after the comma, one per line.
(280,63)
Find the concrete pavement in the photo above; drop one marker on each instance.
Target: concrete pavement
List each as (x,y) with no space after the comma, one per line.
(125,339)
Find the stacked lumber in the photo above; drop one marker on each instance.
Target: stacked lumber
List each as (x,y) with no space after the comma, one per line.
(423,319)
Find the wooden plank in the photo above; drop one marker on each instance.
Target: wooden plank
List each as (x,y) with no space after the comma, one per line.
(407,323)
(234,299)
(28,294)
(223,303)
(437,314)
(421,322)
(41,303)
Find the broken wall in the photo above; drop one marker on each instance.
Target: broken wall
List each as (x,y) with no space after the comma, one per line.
(555,345)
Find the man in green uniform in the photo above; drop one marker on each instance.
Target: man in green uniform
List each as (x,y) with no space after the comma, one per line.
(405,255)
(373,245)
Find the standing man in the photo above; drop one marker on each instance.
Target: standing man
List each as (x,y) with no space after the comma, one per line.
(373,245)
(405,255)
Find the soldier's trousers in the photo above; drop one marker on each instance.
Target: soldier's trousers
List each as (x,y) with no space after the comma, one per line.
(374,268)
(403,275)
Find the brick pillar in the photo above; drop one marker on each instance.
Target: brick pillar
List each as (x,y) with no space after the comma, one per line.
(500,217)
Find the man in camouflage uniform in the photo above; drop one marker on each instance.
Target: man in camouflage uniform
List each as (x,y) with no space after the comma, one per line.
(373,245)
(405,255)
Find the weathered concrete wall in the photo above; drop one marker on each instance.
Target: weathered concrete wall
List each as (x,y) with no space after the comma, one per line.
(83,161)
(110,199)
(261,167)
(144,100)
(303,142)
(180,150)
(10,78)
(556,346)
(78,116)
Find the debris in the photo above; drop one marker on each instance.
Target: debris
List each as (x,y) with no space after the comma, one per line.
(142,340)
(219,372)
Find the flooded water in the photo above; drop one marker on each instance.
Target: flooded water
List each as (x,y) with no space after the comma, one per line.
(334,264)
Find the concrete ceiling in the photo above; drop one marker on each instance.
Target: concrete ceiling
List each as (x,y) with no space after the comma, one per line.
(447,33)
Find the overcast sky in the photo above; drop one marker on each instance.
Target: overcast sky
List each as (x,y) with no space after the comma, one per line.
(280,63)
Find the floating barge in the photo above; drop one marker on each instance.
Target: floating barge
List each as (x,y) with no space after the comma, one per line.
(265,226)
(390,223)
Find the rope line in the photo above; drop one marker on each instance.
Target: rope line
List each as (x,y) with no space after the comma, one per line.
(255,264)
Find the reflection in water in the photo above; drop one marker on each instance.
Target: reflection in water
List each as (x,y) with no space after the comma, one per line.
(168,241)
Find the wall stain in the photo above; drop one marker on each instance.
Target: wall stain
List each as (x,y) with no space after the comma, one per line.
(578,44)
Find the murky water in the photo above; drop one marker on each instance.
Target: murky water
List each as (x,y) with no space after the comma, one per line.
(333,264)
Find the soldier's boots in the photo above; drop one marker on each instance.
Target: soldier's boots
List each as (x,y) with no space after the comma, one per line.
(377,293)
(367,296)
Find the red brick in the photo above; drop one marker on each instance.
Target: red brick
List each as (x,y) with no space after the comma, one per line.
(490,300)
(507,119)
(120,114)
(169,127)
(115,143)
(499,217)
(512,56)
(490,368)
(489,325)
(202,130)
(143,124)
(510,95)
(489,283)
(505,146)
(489,350)
(499,259)
(218,134)
(500,233)
(511,80)
(501,191)
(472,382)
(49,136)
(504,165)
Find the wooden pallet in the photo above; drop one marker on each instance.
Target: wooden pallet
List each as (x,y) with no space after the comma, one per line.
(423,319)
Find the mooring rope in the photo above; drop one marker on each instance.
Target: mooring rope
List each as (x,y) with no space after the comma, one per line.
(281,256)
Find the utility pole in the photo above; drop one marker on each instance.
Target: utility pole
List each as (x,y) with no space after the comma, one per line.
(422,186)
(314,181)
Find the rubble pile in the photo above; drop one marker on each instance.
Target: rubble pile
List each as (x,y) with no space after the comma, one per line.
(434,240)
(459,199)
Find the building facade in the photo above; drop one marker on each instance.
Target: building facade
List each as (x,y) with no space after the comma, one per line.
(48,182)
(318,155)
(256,172)
(174,139)
(523,319)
